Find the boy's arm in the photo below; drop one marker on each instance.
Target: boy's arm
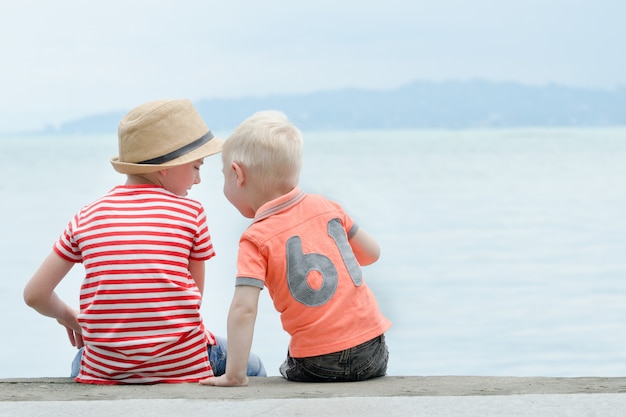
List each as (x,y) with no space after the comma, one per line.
(39,294)
(365,247)
(196,269)
(240,328)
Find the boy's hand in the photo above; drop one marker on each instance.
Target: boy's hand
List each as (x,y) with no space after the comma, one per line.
(68,319)
(76,339)
(224,381)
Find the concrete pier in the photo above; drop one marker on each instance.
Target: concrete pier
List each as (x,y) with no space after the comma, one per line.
(274,396)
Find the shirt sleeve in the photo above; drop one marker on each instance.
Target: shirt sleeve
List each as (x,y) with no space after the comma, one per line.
(66,246)
(202,249)
(251,264)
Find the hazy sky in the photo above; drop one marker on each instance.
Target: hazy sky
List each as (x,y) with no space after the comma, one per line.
(64,59)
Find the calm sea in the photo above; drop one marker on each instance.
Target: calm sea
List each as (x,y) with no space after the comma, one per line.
(503,251)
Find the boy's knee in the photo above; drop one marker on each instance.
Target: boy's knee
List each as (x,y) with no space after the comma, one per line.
(255,366)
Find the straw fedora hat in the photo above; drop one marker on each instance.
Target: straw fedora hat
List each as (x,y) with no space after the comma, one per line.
(162,134)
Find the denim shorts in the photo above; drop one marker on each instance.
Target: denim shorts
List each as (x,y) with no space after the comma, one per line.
(365,361)
(218,355)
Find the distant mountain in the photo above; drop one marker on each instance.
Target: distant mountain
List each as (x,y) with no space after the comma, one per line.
(421,104)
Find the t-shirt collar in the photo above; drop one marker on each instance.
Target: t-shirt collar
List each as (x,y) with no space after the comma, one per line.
(279,204)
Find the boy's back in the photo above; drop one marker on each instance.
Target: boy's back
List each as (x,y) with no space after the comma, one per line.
(311,273)
(140,311)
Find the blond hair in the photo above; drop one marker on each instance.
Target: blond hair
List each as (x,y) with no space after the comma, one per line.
(269,146)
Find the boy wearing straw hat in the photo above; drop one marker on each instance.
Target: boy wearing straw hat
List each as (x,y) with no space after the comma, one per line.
(308,253)
(143,246)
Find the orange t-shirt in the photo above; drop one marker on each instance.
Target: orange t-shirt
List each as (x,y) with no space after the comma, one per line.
(297,247)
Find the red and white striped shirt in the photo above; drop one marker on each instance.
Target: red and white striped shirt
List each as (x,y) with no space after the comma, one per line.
(139,306)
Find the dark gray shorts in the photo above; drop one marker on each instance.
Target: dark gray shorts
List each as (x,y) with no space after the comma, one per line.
(365,361)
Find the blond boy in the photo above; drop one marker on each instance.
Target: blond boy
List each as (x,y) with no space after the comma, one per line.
(307,252)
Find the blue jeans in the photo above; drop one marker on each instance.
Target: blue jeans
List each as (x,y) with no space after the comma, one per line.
(365,361)
(217,357)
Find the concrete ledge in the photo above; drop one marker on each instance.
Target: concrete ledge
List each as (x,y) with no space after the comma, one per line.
(65,389)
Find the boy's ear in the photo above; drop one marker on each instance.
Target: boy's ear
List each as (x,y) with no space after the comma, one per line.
(240,173)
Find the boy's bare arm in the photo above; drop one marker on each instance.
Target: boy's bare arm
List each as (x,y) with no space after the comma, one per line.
(39,294)
(365,247)
(240,328)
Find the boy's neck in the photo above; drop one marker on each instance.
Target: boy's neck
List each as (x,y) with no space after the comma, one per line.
(264,197)
(141,179)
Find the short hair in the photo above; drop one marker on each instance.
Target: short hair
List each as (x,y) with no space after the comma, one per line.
(270,146)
